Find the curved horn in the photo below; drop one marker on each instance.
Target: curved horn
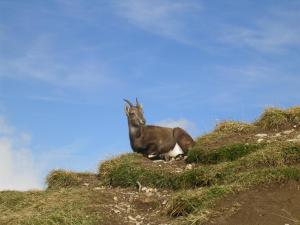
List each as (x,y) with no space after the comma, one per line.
(129,103)
(137,102)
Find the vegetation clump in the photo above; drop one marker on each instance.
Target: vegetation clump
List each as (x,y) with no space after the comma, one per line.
(274,119)
(66,179)
(221,154)
(234,127)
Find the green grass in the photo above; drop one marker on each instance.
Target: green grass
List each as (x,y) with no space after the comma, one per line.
(129,169)
(186,202)
(221,154)
(199,203)
(219,167)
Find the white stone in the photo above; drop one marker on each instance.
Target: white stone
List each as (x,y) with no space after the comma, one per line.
(278,135)
(261,135)
(131,218)
(294,140)
(189,167)
(288,131)
(260,140)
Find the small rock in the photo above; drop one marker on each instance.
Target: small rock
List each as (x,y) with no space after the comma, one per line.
(178,170)
(158,161)
(151,190)
(149,194)
(260,140)
(98,188)
(115,198)
(295,126)
(116,211)
(189,167)
(86,184)
(261,135)
(164,202)
(294,140)
(287,132)
(138,217)
(278,134)
(144,189)
(131,218)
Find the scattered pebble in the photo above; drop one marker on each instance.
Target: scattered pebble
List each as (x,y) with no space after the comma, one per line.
(189,167)
(99,188)
(116,211)
(287,132)
(131,218)
(86,184)
(115,198)
(260,140)
(261,135)
(158,161)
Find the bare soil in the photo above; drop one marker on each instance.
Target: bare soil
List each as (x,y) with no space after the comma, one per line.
(278,204)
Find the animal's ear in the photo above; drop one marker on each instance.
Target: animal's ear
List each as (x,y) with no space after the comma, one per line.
(126,109)
(140,107)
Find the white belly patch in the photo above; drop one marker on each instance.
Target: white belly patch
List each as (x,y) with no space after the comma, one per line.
(175,151)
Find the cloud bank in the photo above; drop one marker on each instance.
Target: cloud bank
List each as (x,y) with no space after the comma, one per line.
(17,167)
(183,123)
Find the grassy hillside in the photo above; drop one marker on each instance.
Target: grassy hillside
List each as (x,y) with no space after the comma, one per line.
(233,159)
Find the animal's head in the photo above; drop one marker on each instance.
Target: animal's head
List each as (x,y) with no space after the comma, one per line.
(134,113)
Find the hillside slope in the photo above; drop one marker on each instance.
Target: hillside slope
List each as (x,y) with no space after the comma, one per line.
(237,174)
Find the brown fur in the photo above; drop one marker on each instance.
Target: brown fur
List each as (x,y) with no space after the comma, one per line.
(153,140)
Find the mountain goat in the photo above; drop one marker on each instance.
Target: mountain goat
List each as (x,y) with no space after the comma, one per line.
(155,141)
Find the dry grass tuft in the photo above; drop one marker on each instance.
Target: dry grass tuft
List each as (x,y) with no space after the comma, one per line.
(66,179)
(235,127)
(275,119)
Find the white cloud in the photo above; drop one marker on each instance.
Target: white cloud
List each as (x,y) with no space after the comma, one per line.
(182,123)
(17,167)
(167,18)
(5,129)
(275,31)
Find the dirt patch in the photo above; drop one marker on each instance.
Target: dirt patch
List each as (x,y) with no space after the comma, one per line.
(266,205)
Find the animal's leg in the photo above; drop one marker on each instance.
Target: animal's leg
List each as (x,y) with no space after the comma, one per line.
(152,152)
(184,140)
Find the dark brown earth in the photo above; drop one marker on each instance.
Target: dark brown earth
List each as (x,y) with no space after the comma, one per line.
(278,204)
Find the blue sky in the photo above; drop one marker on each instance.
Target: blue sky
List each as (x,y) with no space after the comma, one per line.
(66,65)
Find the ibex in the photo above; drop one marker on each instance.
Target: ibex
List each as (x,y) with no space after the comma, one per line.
(154,141)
